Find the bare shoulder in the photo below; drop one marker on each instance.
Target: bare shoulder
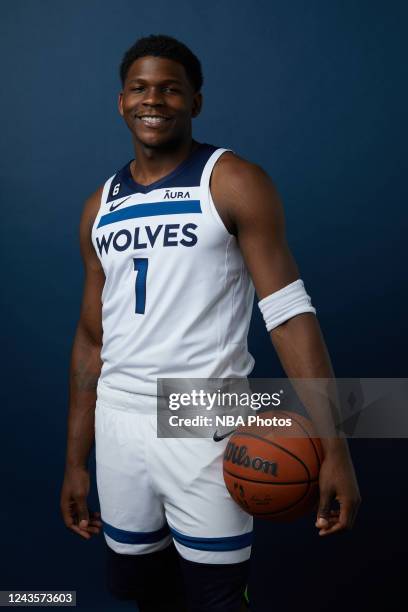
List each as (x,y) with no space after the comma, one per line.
(91,207)
(237,169)
(243,190)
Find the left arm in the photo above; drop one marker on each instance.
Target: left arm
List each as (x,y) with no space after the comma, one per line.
(250,207)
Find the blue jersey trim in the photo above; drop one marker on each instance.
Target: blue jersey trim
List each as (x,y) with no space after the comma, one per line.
(156,209)
(187,174)
(135,537)
(216,544)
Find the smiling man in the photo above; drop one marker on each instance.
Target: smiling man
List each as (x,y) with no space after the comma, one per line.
(174,245)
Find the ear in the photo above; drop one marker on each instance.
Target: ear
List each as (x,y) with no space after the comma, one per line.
(197,104)
(120,103)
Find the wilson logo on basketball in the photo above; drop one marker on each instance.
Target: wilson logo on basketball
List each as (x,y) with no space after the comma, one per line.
(238,455)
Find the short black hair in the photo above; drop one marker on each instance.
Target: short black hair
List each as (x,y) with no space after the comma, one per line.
(160,45)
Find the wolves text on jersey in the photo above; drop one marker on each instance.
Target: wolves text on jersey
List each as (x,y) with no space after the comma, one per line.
(168,235)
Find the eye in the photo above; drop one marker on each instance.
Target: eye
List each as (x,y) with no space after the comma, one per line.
(137,88)
(171,89)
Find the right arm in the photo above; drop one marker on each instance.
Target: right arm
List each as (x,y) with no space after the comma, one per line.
(84,373)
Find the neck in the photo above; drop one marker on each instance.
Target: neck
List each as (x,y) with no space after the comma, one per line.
(151,164)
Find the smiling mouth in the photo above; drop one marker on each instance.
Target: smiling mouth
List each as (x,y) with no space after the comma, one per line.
(153,120)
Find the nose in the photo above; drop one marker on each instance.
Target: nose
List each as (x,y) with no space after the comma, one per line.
(153,97)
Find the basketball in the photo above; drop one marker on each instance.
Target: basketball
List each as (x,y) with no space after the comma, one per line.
(271,475)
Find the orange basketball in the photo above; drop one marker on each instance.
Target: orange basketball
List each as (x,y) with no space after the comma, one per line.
(272,476)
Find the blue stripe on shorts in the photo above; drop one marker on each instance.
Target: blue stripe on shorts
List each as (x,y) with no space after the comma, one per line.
(216,544)
(135,537)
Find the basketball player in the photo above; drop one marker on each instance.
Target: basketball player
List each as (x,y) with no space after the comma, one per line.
(174,245)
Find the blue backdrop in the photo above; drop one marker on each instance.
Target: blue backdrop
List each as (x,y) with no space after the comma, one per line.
(314,91)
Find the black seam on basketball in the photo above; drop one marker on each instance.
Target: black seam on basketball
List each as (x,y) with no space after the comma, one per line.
(251,435)
(295,482)
(305,430)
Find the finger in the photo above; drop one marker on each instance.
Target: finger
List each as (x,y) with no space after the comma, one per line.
(329,526)
(346,514)
(337,527)
(80,532)
(327,520)
(325,503)
(340,522)
(334,514)
(94,530)
(94,522)
(67,515)
(82,512)
(332,520)
(91,531)
(67,518)
(330,523)
(322,523)
(95,518)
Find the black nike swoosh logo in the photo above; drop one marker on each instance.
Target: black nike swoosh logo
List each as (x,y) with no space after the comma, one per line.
(218,438)
(115,206)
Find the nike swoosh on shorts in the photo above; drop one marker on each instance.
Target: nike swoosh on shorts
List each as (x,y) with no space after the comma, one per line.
(218,438)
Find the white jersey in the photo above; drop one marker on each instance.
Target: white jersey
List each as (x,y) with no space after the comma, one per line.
(177,299)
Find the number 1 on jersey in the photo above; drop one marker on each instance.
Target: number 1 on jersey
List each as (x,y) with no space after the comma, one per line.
(140,266)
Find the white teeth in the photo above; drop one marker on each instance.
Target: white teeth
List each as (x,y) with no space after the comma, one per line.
(152,120)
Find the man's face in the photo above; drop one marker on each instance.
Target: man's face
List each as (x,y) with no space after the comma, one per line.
(158,101)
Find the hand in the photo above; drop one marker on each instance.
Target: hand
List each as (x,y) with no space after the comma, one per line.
(74,507)
(337,481)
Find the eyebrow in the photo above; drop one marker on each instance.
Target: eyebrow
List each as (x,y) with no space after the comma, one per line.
(141,80)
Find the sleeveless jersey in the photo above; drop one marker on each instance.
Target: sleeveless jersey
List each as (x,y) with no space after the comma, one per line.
(177,298)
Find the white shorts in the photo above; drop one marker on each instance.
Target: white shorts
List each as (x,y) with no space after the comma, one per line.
(152,490)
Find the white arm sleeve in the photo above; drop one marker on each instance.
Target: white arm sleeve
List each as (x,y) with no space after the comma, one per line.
(285,304)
